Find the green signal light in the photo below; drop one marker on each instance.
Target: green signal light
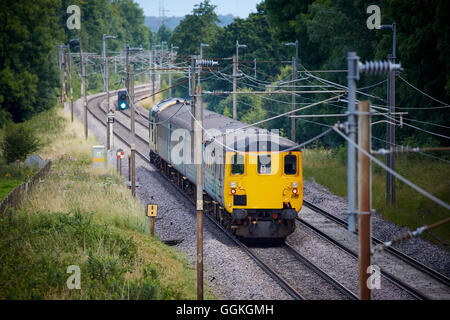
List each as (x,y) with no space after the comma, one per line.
(123,105)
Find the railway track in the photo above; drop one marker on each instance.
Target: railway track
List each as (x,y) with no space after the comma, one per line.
(280,280)
(142,145)
(412,290)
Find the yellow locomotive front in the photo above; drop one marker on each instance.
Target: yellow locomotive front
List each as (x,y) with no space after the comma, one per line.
(263,192)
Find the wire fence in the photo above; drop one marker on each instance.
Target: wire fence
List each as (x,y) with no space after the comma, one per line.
(16,196)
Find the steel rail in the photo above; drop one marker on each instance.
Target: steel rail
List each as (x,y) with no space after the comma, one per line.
(395,252)
(340,287)
(413,292)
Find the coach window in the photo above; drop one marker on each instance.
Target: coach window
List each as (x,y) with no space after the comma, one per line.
(290,164)
(264,164)
(237,164)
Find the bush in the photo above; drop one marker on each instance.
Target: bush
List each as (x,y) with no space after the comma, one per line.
(340,153)
(18,142)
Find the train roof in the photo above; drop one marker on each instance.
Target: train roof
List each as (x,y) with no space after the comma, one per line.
(177,112)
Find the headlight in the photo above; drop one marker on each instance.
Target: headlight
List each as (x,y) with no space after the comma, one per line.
(294,184)
(233,184)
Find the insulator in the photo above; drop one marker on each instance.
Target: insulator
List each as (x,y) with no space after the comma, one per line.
(203,62)
(378,67)
(375,67)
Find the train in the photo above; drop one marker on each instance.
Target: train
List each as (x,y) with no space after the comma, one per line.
(252,178)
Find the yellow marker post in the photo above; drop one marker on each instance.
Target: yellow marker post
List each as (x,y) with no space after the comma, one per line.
(152,212)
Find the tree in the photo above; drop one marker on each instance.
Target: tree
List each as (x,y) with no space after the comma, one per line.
(327,30)
(198,27)
(27,61)
(163,34)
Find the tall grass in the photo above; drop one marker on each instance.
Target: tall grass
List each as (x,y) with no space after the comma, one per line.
(328,168)
(83,216)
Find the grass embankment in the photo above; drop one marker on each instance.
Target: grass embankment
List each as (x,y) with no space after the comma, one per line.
(79,215)
(147,103)
(13,174)
(328,168)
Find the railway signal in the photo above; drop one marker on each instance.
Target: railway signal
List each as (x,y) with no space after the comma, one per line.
(122,102)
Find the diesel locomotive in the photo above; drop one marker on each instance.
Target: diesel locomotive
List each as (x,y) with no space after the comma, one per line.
(252,178)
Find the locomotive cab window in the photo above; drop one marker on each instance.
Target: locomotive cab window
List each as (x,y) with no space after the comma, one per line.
(290,164)
(264,164)
(237,164)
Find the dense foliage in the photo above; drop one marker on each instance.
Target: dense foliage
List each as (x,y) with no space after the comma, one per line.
(29,32)
(326,31)
(28,73)
(18,142)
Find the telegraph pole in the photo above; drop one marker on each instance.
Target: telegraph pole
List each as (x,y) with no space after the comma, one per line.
(64,76)
(390,137)
(352,76)
(106,88)
(192,93)
(198,137)
(161,52)
(108,110)
(197,104)
(235,74)
(131,93)
(152,57)
(364,198)
(201,57)
(354,68)
(294,77)
(234,87)
(127,72)
(71,87)
(60,64)
(83,78)
(170,70)
(133,170)
(390,126)
(104,63)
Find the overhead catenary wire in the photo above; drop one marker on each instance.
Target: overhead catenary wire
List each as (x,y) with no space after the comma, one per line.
(417,128)
(407,235)
(425,94)
(273,112)
(394,173)
(263,97)
(286,113)
(420,152)
(298,146)
(344,87)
